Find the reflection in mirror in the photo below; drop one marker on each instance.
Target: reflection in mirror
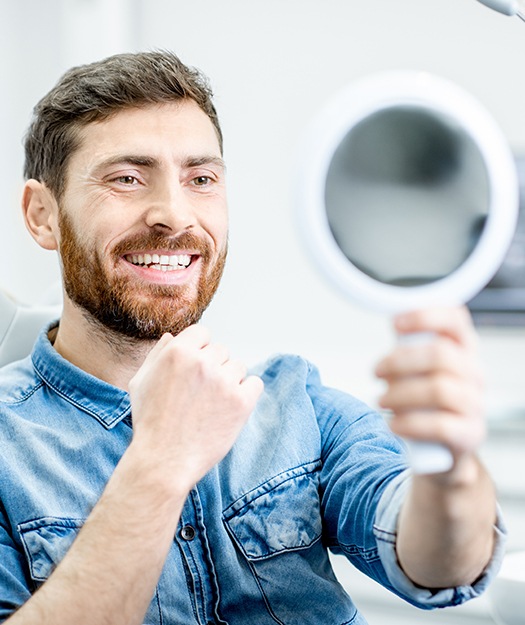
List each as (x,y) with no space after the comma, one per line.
(407,195)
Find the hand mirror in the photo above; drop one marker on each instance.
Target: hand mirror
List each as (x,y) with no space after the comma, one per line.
(407,199)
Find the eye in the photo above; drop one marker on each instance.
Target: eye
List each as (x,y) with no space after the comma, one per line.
(202,181)
(126,180)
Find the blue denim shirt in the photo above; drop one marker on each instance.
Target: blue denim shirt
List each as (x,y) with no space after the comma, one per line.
(314,469)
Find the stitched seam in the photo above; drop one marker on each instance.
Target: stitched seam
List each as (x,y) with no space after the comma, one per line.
(384,535)
(161,620)
(26,396)
(85,409)
(263,594)
(354,550)
(317,464)
(63,522)
(281,551)
(190,582)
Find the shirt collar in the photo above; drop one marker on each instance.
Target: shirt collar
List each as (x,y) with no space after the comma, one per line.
(106,403)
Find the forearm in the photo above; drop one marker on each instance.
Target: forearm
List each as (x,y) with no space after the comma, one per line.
(109,574)
(446,527)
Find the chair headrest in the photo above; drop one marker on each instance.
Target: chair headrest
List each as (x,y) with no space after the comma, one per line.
(20,325)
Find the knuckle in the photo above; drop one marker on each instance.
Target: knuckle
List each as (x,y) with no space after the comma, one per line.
(240,368)
(442,429)
(439,389)
(223,350)
(174,351)
(204,369)
(445,354)
(438,353)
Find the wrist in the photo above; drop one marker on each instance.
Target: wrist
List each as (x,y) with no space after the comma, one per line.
(466,472)
(153,476)
(456,492)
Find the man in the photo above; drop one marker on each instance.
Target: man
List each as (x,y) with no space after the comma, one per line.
(145,477)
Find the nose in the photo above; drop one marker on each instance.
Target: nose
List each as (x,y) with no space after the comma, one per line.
(169,208)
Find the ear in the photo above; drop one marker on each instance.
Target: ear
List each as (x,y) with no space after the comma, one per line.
(40,214)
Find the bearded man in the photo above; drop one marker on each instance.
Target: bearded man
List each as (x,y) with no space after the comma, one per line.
(146,477)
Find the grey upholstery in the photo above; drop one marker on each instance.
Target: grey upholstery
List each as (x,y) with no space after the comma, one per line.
(20,325)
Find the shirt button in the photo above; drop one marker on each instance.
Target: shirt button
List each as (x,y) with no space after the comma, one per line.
(187,532)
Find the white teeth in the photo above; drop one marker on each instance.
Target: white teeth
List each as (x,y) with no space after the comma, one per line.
(161,262)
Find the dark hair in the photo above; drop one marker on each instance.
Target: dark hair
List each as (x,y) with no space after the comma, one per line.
(96,91)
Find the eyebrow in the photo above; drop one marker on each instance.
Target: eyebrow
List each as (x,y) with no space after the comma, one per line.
(152,162)
(197,161)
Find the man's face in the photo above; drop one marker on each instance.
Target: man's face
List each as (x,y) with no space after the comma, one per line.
(142,224)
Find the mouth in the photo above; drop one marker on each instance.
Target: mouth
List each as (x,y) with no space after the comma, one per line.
(161,262)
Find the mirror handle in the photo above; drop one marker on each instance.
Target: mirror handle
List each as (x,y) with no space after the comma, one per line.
(426,457)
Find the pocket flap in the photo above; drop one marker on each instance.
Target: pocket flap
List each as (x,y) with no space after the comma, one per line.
(46,541)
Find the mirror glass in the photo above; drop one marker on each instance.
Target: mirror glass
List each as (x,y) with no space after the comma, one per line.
(407,196)
(407,193)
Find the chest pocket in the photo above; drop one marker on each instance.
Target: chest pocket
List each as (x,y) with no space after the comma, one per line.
(47,540)
(278,529)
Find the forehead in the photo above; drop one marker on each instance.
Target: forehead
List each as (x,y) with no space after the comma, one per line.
(168,129)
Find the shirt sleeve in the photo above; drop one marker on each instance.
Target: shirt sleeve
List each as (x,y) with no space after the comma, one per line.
(386,533)
(364,479)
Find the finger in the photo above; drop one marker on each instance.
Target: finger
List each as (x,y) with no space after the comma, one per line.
(194,336)
(235,371)
(252,386)
(216,353)
(438,392)
(164,340)
(456,323)
(457,433)
(441,355)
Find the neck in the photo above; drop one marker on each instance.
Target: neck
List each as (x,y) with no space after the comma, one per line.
(107,355)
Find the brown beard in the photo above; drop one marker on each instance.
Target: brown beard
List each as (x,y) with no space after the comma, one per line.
(144,313)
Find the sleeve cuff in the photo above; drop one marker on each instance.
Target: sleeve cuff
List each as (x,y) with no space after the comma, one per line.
(385,533)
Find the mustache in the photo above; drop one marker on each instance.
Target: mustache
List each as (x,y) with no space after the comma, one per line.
(156,240)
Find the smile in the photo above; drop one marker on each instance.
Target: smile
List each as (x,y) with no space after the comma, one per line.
(160,262)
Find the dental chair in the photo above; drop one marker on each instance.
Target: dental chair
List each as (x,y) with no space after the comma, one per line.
(20,325)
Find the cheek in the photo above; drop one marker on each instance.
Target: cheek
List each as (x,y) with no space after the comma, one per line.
(217,227)
(94,211)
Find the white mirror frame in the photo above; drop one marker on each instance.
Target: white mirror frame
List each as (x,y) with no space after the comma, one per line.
(330,127)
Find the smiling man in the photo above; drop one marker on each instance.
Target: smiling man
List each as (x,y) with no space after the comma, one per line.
(123,269)
(145,477)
